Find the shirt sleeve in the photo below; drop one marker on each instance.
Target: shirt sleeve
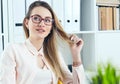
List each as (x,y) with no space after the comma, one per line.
(76,77)
(7,67)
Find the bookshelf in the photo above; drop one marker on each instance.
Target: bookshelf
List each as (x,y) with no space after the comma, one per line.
(101,46)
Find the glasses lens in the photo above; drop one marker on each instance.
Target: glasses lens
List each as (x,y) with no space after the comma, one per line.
(48,21)
(36,19)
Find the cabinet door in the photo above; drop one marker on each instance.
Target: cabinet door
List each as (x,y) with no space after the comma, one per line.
(18,7)
(108,48)
(58,7)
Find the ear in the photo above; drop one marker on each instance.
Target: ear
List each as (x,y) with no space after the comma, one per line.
(26,21)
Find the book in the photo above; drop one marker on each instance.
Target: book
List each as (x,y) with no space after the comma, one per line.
(105,18)
(108,17)
(108,1)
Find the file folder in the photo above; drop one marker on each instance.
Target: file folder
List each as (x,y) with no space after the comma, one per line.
(116,18)
(76,15)
(58,8)
(68,16)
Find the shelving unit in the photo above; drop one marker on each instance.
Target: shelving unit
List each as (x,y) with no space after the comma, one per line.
(100,46)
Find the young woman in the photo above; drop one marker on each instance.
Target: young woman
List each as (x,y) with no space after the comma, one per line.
(37,61)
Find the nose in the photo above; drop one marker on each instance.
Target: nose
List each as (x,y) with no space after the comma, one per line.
(41,23)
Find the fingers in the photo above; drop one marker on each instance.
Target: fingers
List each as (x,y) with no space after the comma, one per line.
(73,38)
(79,42)
(76,40)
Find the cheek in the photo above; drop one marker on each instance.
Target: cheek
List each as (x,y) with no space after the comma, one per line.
(49,29)
(30,26)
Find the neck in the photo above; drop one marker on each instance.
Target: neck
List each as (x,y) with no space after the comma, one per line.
(37,43)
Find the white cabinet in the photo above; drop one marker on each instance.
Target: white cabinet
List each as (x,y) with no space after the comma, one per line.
(16,15)
(100,47)
(108,48)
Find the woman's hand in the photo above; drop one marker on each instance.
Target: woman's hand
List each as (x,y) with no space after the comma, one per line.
(76,48)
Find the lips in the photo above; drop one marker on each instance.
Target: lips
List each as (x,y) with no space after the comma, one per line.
(40,30)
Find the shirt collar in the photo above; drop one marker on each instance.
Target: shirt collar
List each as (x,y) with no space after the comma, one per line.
(32,49)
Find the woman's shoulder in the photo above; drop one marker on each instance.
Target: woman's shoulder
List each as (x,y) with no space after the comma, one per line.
(13,46)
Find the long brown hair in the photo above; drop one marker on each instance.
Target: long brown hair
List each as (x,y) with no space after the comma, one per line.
(50,44)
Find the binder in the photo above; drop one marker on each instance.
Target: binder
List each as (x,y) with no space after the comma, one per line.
(68,16)
(76,15)
(116,18)
(109,18)
(58,8)
(106,18)
(107,1)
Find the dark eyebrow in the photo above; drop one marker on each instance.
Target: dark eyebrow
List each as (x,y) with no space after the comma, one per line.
(48,17)
(36,15)
(40,16)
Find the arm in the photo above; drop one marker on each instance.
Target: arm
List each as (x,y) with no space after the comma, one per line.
(78,75)
(7,69)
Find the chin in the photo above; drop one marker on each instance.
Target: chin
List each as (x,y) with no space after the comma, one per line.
(41,36)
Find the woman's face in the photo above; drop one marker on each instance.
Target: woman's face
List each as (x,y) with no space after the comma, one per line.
(40,23)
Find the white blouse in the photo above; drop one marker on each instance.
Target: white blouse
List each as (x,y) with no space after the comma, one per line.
(19,66)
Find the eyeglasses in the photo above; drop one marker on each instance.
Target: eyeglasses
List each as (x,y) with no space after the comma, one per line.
(37,19)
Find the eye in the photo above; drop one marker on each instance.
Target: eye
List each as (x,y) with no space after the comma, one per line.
(48,20)
(36,18)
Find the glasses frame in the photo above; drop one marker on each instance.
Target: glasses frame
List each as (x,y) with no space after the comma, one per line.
(42,19)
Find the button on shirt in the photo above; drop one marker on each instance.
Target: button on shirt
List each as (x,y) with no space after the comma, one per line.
(19,66)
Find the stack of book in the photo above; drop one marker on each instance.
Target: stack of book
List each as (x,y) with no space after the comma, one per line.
(108,14)
(108,1)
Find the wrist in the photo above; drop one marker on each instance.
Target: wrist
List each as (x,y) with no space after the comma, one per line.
(76,64)
(76,58)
